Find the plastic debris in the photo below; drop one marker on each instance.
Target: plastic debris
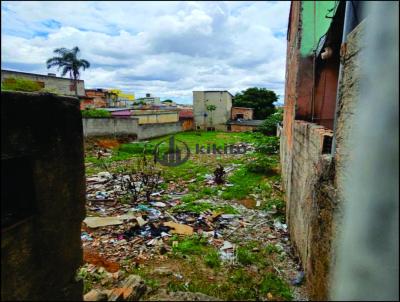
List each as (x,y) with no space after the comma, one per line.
(158,204)
(298,280)
(86,237)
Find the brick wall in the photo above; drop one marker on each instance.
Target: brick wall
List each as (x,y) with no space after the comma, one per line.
(242,128)
(246,112)
(313,181)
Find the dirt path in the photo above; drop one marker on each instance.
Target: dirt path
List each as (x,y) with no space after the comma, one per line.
(230,240)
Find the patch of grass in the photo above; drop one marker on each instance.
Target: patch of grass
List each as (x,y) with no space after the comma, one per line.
(153,283)
(271,248)
(186,171)
(244,182)
(212,259)
(276,286)
(95,113)
(191,138)
(188,198)
(242,285)
(137,148)
(190,245)
(245,256)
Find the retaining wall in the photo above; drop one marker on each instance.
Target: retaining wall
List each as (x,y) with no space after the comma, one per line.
(127,126)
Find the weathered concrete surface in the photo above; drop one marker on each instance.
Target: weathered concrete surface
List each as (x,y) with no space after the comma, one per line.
(313,181)
(64,86)
(127,126)
(41,249)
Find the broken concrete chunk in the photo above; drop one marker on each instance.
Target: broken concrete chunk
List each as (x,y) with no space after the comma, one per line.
(163,271)
(95,295)
(178,228)
(95,222)
(132,289)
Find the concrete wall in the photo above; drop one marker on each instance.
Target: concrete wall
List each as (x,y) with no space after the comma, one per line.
(127,126)
(43,197)
(157,118)
(312,178)
(218,118)
(63,85)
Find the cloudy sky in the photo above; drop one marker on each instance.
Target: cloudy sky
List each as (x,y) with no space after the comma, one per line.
(168,49)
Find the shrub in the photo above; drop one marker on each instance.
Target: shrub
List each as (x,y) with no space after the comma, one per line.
(268,127)
(268,145)
(262,164)
(95,113)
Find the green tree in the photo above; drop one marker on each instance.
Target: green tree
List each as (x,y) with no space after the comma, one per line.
(260,99)
(211,108)
(69,62)
(268,127)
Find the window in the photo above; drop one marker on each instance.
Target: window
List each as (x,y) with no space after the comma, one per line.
(239,115)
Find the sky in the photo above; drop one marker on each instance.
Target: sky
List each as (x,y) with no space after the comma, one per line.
(167,49)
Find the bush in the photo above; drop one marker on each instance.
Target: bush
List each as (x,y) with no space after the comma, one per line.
(268,145)
(268,127)
(95,113)
(20,84)
(262,164)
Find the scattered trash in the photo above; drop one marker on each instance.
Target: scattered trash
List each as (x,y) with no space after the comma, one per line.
(298,280)
(178,228)
(159,204)
(279,225)
(141,229)
(86,237)
(227,245)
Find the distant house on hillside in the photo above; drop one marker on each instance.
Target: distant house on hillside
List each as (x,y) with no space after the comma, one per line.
(150,100)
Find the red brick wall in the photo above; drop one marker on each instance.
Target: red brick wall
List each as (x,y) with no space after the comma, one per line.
(247,113)
(242,128)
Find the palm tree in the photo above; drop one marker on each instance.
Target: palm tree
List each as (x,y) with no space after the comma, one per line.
(69,62)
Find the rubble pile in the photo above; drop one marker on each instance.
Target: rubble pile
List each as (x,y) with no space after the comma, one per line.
(116,235)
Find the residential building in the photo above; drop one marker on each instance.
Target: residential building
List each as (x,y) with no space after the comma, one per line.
(95,98)
(146,116)
(63,86)
(212,119)
(149,99)
(241,113)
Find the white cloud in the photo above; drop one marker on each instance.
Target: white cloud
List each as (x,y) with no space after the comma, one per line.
(165,48)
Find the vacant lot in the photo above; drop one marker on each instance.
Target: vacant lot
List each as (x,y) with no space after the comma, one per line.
(190,233)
